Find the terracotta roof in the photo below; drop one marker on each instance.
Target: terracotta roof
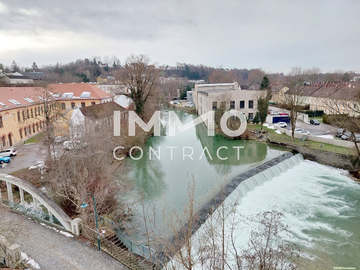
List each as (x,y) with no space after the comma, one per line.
(78,90)
(12,97)
(102,110)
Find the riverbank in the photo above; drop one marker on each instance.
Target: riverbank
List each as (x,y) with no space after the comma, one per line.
(327,154)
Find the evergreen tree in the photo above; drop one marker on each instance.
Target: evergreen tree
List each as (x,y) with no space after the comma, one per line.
(265,83)
(14,67)
(34,67)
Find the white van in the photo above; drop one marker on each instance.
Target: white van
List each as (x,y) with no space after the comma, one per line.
(10,152)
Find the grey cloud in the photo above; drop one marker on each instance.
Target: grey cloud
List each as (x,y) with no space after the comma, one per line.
(275,35)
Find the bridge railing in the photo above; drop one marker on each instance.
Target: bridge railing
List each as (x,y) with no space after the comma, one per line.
(42,207)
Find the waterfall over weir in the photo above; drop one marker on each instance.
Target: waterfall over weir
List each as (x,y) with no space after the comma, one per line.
(267,174)
(249,180)
(243,183)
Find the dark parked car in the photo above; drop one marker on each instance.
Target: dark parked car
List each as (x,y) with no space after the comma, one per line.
(314,122)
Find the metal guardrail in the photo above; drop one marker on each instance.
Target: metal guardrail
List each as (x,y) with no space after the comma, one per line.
(137,248)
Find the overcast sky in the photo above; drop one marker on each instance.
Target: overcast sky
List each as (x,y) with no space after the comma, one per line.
(273,35)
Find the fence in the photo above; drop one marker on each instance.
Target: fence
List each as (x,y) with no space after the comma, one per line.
(123,255)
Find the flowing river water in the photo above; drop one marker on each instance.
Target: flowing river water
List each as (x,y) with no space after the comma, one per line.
(321,205)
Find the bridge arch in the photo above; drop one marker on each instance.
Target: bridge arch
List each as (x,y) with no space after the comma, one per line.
(38,197)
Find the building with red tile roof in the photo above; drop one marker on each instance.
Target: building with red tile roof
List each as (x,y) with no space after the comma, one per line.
(22,108)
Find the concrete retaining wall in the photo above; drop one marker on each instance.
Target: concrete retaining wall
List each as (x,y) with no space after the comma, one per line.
(9,253)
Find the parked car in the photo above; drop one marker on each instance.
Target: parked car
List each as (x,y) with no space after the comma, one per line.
(10,152)
(302,131)
(282,124)
(74,145)
(5,160)
(314,122)
(346,135)
(40,164)
(340,132)
(60,139)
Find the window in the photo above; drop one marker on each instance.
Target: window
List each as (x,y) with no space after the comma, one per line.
(1,122)
(32,113)
(63,106)
(72,105)
(251,104)
(83,104)
(232,104)
(24,116)
(25,131)
(3,141)
(27,114)
(251,116)
(29,129)
(34,128)
(18,116)
(20,133)
(93,103)
(242,104)
(214,105)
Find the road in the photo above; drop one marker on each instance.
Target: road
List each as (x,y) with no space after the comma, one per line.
(50,249)
(27,155)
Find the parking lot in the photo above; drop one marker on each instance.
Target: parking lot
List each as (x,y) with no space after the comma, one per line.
(320,130)
(27,155)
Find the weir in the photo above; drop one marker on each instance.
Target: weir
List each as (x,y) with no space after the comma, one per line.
(248,180)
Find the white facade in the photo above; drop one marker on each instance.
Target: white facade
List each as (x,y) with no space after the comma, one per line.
(213,96)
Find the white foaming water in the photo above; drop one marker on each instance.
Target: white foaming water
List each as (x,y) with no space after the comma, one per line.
(321,207)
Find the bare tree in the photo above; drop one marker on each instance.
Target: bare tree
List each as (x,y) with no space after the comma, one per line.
(86,172)
(293,98)
(141,80)
(346,114)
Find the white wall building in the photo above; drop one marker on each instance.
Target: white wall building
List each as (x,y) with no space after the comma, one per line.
(213,96)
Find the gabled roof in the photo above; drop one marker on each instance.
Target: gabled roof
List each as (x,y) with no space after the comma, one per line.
(100,111)
(77,90)
(339,91)
(12,97)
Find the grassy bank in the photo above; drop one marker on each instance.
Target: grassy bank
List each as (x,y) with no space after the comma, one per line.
(35,139)
(283,138)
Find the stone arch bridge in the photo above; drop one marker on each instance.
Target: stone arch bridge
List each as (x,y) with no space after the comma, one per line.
(39,199)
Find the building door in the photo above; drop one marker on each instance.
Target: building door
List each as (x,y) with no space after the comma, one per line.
(10,140)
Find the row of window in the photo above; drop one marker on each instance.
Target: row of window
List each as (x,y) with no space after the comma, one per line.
(10,140)
(39,110)
(73,105)
(232,104)
(34,112)
(27,131)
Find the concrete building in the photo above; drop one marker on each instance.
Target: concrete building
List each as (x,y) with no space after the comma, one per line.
(228,95)
(22,108)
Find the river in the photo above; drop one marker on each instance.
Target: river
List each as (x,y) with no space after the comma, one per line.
(320,204)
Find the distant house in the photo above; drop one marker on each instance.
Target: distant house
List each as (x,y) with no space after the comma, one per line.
(330,97)
(95,119)
(15,78)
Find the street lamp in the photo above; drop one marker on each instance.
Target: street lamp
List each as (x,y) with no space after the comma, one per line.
(84,205)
